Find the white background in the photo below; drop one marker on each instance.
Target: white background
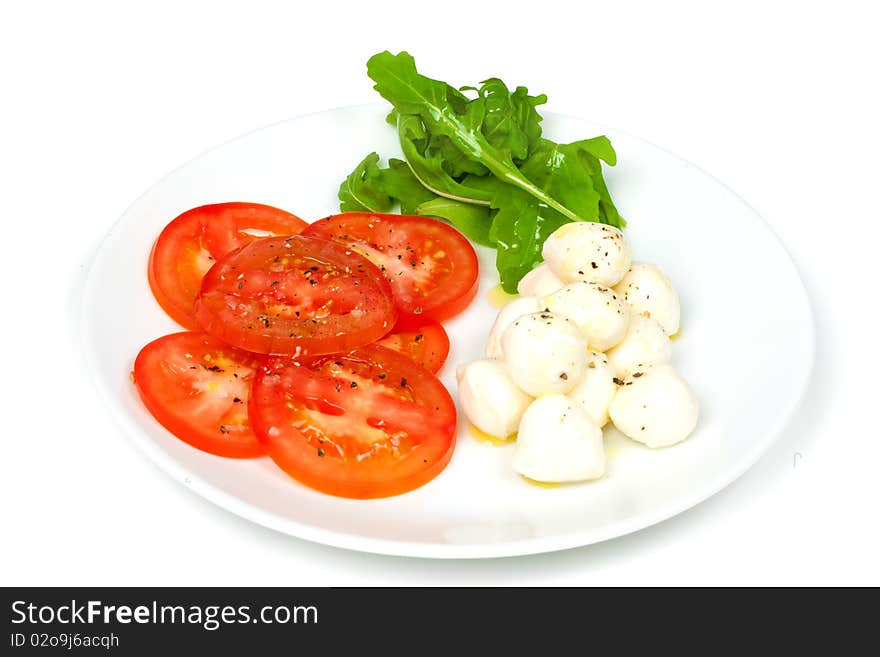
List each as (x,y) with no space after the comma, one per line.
(100,99)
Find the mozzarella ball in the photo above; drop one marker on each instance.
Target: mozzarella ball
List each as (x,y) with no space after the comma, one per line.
(511,311)
(645,343)
(587,251)
(539,282)
(599,312)
(596,390)
(489,399)
(544,353)
(655,406)
(558,441)
(649,292)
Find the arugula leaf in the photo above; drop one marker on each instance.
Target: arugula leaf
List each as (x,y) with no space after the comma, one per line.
(511,119)
(428,169)
(362,190)
(476,157)
(411,93)
(371,188)
(402,186)
(471,220)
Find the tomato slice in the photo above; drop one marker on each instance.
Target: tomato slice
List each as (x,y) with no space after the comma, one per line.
(188,246)
(432,268)
(297,296)
(426,345)
(198,388)
(370,423)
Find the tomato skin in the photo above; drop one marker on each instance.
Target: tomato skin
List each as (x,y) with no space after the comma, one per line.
(295,296)
(198,388)
(427,345)
(432,268)
(190,244)
(366,424)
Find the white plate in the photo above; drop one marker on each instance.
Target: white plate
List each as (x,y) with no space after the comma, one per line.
(746,347)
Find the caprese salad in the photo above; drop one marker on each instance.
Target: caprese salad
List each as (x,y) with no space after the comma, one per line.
(317,344)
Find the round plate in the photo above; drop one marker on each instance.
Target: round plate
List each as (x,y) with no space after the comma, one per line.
(746,347)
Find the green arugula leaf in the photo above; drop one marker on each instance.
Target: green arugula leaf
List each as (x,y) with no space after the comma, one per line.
(511,119)
(398,182)
(475,156)
(428,169)
(471,220)
(398,81)
(362,190)
(519,229)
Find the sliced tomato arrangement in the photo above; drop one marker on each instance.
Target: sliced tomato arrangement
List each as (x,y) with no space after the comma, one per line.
(198,388)
(316,347)
(426,345)
(189,245)
(432,268)
(295,295)
(369,423)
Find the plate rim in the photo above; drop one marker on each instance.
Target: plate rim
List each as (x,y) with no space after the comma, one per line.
(433,550)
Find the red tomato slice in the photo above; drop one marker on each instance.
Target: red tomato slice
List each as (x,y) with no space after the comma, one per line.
(295,295)
(426,345)
(198,388)
(189,245)
(370,423)
(432,267)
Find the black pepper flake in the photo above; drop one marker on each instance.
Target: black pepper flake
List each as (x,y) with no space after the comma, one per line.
(353,385)
(312,281)
(383,376)
(236,400)
(223,428)
(617,381)
(564,376)
(403,383)
(417,311)
(412,263)
(274,283)
(419,337)
(637,375)
(594,265)
(320,451)
(581,272)
(240,284)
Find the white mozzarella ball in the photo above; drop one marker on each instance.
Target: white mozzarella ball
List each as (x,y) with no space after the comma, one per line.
(599,312)
(539,282)
(489,399)
(655,406)
(645,343)
(558,441)
(596,390)
(511,311)
(587,251)
(544,353)
(649,292)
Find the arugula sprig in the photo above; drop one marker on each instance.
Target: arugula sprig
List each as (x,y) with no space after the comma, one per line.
(476,157)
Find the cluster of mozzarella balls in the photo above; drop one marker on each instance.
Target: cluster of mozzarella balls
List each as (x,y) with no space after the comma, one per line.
(587,341)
